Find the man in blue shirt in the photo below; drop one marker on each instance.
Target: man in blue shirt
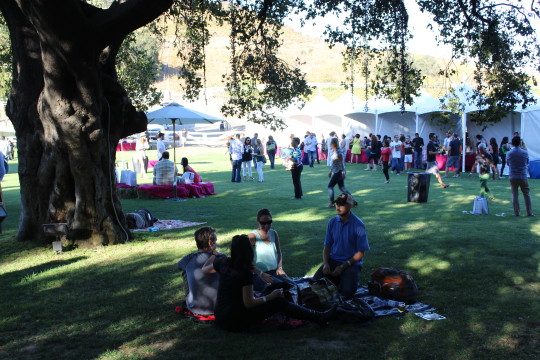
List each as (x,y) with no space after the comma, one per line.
(518,164)
(344,247)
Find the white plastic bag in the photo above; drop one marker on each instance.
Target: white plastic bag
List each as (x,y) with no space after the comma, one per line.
(129,177)
(480,206)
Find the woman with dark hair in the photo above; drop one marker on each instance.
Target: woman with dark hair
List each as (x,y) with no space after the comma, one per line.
(337,171)
(237,309)
(494,152)
(268,261)
(386,155)
(503,150)
(247,156)
(296,167)
(374,153)
(188,169)
(271,148)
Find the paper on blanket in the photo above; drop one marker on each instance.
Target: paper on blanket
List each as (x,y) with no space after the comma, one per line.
(430,316)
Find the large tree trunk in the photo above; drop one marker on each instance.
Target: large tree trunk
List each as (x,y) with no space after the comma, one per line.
(69,111)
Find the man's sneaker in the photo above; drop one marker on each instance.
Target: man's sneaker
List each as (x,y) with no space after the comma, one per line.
(456,176)
(387,182)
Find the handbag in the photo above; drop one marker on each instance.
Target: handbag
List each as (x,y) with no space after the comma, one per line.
(263,159)
(319,295)
(271,147)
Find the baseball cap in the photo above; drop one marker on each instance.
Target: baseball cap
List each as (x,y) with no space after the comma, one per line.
(344,199)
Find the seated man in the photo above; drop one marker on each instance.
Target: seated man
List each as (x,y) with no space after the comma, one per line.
(165,171)
(200,289)
(344,247)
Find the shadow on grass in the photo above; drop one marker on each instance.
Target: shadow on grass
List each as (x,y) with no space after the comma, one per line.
(480,272)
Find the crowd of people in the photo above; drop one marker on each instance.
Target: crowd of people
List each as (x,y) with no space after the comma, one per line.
(226,286)
(396,154)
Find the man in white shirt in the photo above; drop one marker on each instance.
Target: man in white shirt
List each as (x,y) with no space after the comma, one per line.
(330,150)
(396,153)
(447,140)
(310,146)
(236,148)
(161,148)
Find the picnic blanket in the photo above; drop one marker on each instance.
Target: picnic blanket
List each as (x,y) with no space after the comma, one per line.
(170,224)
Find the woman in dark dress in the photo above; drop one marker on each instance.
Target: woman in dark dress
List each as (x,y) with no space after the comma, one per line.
(503,150)
(236,308)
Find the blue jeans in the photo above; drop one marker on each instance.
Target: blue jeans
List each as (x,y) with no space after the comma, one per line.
(395,164)
(337,178)
(271,157)
(236,170)
(402,163)
(312,155)
(418,160)
(347,282)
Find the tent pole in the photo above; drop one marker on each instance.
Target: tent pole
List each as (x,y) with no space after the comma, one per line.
(464,140)
(175,189)
(416,128)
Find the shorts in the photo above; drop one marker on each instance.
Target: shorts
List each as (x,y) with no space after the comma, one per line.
(408,158)
(432,167)
(452,161)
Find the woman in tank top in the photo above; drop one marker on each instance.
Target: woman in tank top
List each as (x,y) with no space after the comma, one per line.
(267,260)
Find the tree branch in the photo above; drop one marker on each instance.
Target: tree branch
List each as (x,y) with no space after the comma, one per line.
(122,19)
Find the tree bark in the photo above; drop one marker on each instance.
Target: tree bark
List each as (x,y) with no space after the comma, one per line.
(69,112)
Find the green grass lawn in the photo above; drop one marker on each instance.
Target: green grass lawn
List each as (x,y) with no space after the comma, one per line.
(117,302)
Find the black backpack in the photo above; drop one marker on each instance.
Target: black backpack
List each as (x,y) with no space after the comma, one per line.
(147,216)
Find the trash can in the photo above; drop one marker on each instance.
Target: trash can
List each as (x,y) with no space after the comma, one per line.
(418,187)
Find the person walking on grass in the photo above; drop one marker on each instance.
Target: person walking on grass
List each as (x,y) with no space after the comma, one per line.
(454,151)
(518,163)
(247,156)
(271,148)
(503,150)
(356,150)
(386,154)
(258,158)
(294,164)
(432,167)
(237,309)
(494,152)
(396,154)
(484,161)
(337,173)
(374,151)
(236,149)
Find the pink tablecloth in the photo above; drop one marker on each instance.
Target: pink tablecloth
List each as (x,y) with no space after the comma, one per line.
(125,146)
(362,159)
(151,163)
(469,161)
(183,190)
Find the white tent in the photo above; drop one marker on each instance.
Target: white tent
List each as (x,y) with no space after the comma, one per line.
(384,117)
(332,118)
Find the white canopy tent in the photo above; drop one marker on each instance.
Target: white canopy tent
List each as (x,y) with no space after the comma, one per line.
(388,119)
(332,118)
